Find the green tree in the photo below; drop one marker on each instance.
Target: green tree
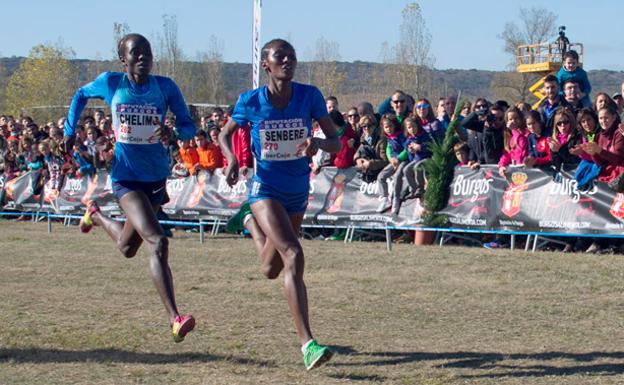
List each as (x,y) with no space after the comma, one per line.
(43,84)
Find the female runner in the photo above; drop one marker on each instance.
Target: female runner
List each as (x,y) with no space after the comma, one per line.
(139,102)
(281,116)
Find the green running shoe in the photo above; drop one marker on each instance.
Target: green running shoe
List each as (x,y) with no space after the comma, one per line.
(316,355)
(235,223)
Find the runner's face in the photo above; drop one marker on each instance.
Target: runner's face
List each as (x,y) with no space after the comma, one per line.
(281,62)
(138,57)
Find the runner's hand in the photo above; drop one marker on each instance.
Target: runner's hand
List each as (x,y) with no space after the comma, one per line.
(309,147)
(231,173)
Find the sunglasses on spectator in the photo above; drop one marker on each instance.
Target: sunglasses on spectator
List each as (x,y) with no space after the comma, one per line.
(366,125)
(563,122)
(422,106)
(353,115)
(398,101)
(480,106)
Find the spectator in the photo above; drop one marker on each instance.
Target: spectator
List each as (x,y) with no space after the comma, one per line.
(572,96)
(11,167)
(553,100)
(601,100)
(83,160)
(352,119)
(98,116)
(189,155)
(417,142)
(445,108)
(396,155)
(104,153)
(209,154)
(570,70)
(321,158)
(179,169)
(427,120)
(619,101)
(241,146)
(35,160)
(348,140)
(54,165)
(539,150)
(515,141)
(370,157)
(564,139)
(588,127)
(331,102)
(523,107)
(399,105)
(217,117)
(461,151)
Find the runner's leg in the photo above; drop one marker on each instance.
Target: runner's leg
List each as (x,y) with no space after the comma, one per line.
(276,224)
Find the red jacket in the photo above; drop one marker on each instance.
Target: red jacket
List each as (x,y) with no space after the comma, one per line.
(241,146)
(344,158)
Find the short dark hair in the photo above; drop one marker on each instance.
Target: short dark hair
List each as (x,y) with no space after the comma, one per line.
(264,53)
(122,42)
(551,78)
(200,133)
(571,54)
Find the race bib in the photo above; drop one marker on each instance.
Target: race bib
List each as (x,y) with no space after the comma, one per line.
(137,123)
(280,139)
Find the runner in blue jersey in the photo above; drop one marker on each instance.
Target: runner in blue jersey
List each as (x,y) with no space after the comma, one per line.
(281,116)
(139,102)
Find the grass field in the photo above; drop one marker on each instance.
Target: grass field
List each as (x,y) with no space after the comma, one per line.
(74,311)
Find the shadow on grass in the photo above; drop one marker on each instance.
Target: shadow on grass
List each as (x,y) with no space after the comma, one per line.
(499,365)
(39,356)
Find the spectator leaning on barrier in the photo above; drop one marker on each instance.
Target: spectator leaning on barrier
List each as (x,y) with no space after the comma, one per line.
(417,142)
(370,157)
(564,140)
(515,141)
(539,150)
(348,140)
(396,155)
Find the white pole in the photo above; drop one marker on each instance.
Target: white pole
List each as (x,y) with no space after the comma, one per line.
(257,14)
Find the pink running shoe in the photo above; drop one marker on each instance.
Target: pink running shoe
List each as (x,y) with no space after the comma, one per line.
(86,224)
(182,326)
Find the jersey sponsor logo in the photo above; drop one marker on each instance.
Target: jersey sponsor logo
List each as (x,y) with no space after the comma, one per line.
(282,139)
(136,123)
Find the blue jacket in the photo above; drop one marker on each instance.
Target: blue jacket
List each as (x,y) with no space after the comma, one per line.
(423,138)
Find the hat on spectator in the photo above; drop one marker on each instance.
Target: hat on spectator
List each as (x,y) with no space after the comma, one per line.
(616,95)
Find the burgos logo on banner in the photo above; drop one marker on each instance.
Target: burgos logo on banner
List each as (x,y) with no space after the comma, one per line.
(568,187)
(471,187)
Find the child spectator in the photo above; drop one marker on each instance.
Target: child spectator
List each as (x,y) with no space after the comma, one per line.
(179,170)
(417,148)
(539,151)
(209,154)
(189,156)
(515,141)
(89,143)
(54,165)
(588,128)
(396,154)
(461,153)
(35,160)
(570,70)
(83,160)
(104,153)
(11,167)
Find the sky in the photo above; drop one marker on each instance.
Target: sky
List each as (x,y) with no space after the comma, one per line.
(464,34)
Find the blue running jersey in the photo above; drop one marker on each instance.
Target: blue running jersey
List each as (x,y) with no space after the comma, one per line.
(276,134)
(139,155)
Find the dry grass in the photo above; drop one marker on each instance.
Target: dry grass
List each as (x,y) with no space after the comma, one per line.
(74,311)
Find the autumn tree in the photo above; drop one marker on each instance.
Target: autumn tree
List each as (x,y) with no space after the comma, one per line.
(44,83)
(325,72)
(413,53)
(211,76)
(535,25)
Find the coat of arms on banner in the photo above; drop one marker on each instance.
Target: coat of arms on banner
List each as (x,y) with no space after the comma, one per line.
(512,198)
(617,208)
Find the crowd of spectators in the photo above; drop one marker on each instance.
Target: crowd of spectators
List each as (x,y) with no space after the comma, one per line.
(565,129)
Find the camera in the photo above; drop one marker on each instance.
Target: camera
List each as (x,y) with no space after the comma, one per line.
(490,118)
